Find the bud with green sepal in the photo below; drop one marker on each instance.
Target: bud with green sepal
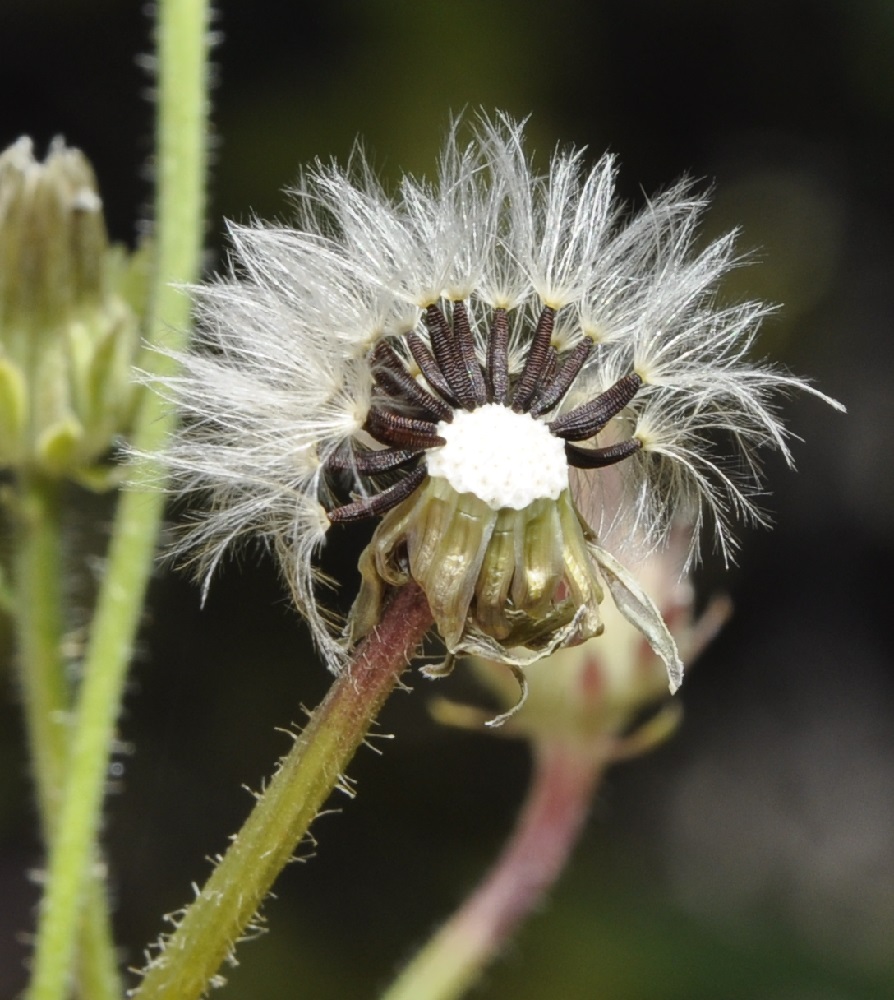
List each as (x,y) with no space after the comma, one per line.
(69,318)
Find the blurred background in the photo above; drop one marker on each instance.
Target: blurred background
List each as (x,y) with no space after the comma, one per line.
(753,855)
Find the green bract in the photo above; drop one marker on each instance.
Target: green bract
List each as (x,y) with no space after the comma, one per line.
(69,329)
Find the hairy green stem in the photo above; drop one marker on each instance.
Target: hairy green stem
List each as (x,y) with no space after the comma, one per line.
(557,805)
(183,101)
(219,915)
(97,973)
(38,616)
(46,700)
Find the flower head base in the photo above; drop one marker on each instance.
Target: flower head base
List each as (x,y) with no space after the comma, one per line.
(468,362)
(482,517)
(593,696)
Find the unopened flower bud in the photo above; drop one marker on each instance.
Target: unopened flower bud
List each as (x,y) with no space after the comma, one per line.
(68,327)
(589,695)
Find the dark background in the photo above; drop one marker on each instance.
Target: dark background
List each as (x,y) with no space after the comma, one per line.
(753,856)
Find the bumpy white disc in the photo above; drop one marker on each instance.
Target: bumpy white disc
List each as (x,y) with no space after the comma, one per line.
(507,459)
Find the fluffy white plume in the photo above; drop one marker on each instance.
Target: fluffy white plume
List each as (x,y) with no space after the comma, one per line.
(280,378)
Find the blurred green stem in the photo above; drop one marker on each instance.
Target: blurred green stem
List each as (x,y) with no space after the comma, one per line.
(221,912)
(39,570)
(558,802)
(183,101)
(38,616)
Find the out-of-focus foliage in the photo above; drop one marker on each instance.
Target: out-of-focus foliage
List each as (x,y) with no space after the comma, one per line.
(753,857)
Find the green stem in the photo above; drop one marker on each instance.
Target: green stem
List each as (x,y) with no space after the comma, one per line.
(548,828)
(183,99)
(38,615)
(97,973)
(47,702)
(226,905)
(7,595)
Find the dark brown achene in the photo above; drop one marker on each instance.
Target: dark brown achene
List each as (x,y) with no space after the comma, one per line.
(457,379)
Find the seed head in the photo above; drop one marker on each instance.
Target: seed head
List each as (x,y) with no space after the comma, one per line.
(463,362)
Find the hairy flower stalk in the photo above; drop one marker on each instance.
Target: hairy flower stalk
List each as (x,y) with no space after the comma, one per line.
(69,330)
(463,361)
(183,104)
(207,931)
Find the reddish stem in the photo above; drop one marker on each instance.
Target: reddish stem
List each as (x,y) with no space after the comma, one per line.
(548,827)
